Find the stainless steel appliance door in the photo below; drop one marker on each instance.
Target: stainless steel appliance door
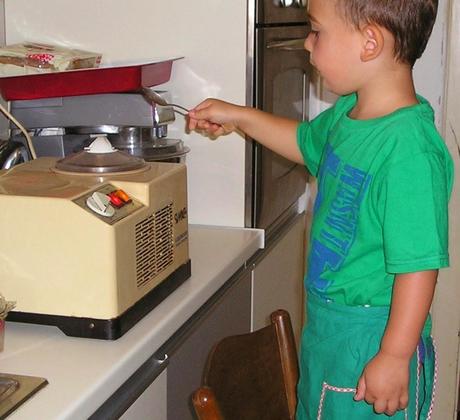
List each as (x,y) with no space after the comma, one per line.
(280,11)
(282,80)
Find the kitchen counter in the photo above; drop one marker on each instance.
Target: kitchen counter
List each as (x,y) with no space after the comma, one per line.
(83,373)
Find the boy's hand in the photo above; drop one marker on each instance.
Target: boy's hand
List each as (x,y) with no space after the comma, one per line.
(214,117)
(384,383)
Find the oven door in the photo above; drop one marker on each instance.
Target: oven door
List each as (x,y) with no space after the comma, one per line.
(282,80)
(280,11)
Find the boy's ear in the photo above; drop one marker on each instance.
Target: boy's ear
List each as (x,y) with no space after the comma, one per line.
(373,42)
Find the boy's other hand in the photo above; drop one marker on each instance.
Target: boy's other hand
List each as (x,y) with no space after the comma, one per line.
(214,117)
(384,383)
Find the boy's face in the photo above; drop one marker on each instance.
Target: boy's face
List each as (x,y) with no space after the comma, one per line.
(335,47)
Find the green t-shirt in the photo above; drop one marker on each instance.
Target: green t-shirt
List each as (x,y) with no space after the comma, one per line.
(382,202)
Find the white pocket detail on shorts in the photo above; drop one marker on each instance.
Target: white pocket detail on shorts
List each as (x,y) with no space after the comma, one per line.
(327,387)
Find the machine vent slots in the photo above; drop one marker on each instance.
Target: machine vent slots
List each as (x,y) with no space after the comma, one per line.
(154,244)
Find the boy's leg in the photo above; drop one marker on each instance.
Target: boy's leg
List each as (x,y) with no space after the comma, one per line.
(335,348)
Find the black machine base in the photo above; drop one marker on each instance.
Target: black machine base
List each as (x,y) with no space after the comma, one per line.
(109,329)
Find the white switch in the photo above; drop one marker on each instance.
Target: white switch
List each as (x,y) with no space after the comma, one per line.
(100,204)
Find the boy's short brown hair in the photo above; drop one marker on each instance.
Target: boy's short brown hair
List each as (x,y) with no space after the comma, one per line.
(410,22)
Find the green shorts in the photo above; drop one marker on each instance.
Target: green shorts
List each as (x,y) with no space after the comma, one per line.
(337,343)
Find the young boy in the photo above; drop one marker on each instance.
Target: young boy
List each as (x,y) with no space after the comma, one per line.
(380,225)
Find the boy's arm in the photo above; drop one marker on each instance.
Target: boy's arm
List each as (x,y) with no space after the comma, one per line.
(385,380)
(276,133)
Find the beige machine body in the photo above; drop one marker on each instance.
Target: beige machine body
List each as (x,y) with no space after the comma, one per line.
(59,257)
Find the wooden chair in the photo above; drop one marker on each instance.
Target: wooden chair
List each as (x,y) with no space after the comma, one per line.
(251,376)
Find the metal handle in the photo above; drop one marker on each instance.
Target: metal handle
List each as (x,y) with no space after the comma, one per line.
(296,44)
(162,361)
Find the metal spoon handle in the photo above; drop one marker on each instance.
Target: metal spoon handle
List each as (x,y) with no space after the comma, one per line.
(156,98)
(184,114)
(180,107)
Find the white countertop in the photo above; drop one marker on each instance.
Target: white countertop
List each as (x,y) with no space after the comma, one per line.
(83,373)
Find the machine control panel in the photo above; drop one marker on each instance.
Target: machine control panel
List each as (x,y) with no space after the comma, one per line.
(108,203)
(100,203)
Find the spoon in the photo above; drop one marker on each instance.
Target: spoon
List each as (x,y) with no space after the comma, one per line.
(154,97)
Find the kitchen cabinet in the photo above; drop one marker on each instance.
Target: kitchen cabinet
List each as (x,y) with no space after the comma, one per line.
(277,277)
(141,395)
(162,387)
(151,403)
(272,280)
(227,313)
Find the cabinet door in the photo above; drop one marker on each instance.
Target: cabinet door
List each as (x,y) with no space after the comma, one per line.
(225,315)
(277,279)
(152,402)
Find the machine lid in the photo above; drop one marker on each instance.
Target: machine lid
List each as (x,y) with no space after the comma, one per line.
(100,158)
(140,142)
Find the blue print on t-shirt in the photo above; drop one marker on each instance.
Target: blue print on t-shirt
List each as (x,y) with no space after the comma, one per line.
(331,245)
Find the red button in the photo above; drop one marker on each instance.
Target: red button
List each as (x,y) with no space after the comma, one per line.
(115,200)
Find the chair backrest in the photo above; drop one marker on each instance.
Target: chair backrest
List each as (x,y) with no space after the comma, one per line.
(251,376)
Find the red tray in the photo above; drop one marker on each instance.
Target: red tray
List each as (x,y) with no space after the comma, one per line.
(85,81)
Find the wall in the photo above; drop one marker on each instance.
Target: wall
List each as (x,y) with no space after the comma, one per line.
(429,71)
(210,35)
(446,308)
